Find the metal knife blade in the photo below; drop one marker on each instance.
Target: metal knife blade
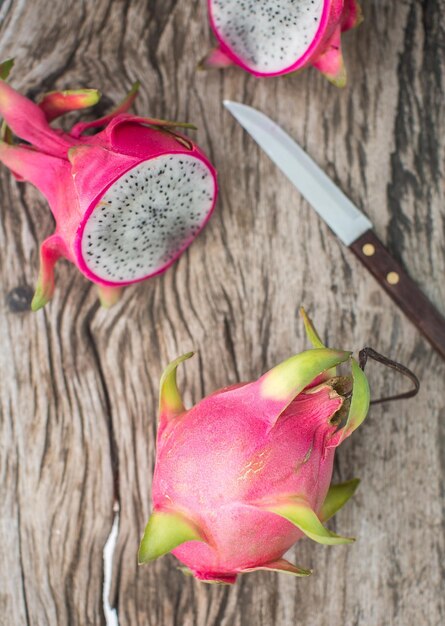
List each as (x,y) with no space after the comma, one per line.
(347,222)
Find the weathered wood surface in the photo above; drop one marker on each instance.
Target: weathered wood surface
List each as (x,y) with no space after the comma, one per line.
(79,384)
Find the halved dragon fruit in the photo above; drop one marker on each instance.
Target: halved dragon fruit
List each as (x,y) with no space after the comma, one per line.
(245,473)
(127,201)
(274,37)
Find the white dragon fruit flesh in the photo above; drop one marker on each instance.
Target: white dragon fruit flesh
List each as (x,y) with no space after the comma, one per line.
(275,37)
(127,200)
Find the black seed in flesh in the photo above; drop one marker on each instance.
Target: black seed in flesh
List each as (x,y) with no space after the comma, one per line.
(147,216)
(268,35)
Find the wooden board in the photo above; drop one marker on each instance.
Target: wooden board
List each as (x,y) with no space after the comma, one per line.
(79,384)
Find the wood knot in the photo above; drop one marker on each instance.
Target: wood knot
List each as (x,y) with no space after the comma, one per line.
(19,299)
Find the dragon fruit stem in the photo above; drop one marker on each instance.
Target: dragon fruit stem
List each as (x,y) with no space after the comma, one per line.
(57,103)
(297,511)
(359,407)
(337,497)
(109,296)
(170,401)
(122,107)
(50,252)
(164,532)
(5,68)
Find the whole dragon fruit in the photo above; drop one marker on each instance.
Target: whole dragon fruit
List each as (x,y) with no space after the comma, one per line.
(127,201)
(274,37)
(245,473)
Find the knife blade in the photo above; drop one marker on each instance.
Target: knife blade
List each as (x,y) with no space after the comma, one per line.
(350,224)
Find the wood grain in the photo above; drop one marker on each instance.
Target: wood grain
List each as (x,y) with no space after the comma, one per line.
(79,384)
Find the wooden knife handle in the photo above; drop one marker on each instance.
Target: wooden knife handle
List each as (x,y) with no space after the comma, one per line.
(402,289)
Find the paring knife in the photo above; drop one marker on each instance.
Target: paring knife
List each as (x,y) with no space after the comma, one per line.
(349,224)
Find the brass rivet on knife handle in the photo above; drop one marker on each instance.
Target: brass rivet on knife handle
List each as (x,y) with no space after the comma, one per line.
(403,290)
(368,249)
(393,278)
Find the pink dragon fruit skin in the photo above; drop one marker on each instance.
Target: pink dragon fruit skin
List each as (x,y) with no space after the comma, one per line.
(83,175)
(245,473)
(242,35)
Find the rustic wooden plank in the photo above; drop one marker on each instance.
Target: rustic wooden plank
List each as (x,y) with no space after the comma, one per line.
(79,384)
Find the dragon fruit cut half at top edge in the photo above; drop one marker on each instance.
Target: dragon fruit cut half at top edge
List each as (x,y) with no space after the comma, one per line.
(245,473)
(274,37)
(127,201)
